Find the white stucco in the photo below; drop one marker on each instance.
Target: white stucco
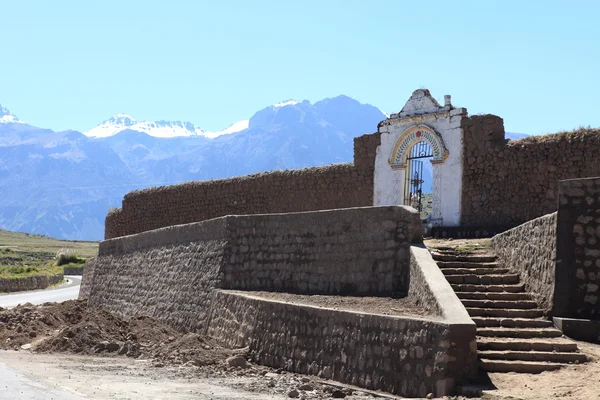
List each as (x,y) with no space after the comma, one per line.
(422,109)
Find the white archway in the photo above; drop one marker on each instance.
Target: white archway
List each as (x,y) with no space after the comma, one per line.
(412,136)
(398,162)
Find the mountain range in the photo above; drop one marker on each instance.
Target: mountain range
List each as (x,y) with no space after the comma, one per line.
(62,184)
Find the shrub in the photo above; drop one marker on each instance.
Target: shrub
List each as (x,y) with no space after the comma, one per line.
(66,256)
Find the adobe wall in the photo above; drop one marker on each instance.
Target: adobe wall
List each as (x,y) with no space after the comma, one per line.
(169,273)
(320,188)
(506,184)
(530,250)
(578,249)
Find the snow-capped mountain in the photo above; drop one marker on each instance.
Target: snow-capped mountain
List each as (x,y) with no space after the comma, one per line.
(161,129)
(6,116)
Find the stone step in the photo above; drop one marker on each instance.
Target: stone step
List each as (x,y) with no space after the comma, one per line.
(507,279)
(544,344)
(551,356)
(519,333)
(504,312)
(493,296)
(511,322)
(520,304)
(488,288)
(464,264)
(463,258)
(476,271)
(528,367)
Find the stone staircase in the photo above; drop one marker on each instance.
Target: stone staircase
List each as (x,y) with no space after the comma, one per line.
(512,334)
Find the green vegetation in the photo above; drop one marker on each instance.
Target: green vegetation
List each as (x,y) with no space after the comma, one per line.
(23,255)
(482,244)
(15,272)
(17,241)
(68,257)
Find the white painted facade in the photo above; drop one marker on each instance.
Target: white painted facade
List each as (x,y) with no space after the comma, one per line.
(422,119)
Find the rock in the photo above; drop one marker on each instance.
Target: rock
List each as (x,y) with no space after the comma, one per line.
(306,386)
(26,346)
(112,346)
(237,361)
(305,379)
(338,394)
(429,396)
(293,393)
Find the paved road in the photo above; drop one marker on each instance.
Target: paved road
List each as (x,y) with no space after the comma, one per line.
(15,385)
(60,293)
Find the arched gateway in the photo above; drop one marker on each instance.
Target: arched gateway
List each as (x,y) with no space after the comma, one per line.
(421,145)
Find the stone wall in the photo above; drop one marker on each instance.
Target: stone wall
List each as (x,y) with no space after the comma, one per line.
(29,283)
(578,248)
(170,272)
(359,251)
(530,250)
(509,183)
(406,356)
(87,278)
(319,188)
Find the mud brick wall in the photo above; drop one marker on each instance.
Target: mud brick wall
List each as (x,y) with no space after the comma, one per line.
(530,250)
(578,249)
(359,250)
(320,188)
(409,357)
(506,184)
(170,273)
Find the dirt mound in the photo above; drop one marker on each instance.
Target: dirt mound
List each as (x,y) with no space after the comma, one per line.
(72,327)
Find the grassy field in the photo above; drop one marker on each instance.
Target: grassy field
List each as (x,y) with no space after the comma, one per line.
(37,243)
(23,254)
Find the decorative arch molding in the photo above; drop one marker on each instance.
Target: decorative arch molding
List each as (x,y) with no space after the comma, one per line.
(412,136)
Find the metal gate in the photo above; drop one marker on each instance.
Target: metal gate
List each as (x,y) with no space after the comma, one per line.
(413,186)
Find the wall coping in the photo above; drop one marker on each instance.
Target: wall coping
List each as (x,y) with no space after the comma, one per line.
(453,311)
(248,294)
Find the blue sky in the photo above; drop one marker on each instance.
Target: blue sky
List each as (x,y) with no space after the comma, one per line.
(73,64)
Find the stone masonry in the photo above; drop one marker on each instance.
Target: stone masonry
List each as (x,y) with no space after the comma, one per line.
(578,248)
(506,183)
(530,250)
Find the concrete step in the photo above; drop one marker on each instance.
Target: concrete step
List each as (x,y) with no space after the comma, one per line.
(551,356)
(464,287)
(506,279)
(476,271)
(519,333)
(506,296)
(520,304)
(528,367)
(490,322)
(504,312)
(543,344)
(463,258)
(465,264)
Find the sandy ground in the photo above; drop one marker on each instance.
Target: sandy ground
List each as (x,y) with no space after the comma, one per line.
(123,378)
(574,382)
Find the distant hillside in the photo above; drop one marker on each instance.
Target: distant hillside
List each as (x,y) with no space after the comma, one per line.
(62,184)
